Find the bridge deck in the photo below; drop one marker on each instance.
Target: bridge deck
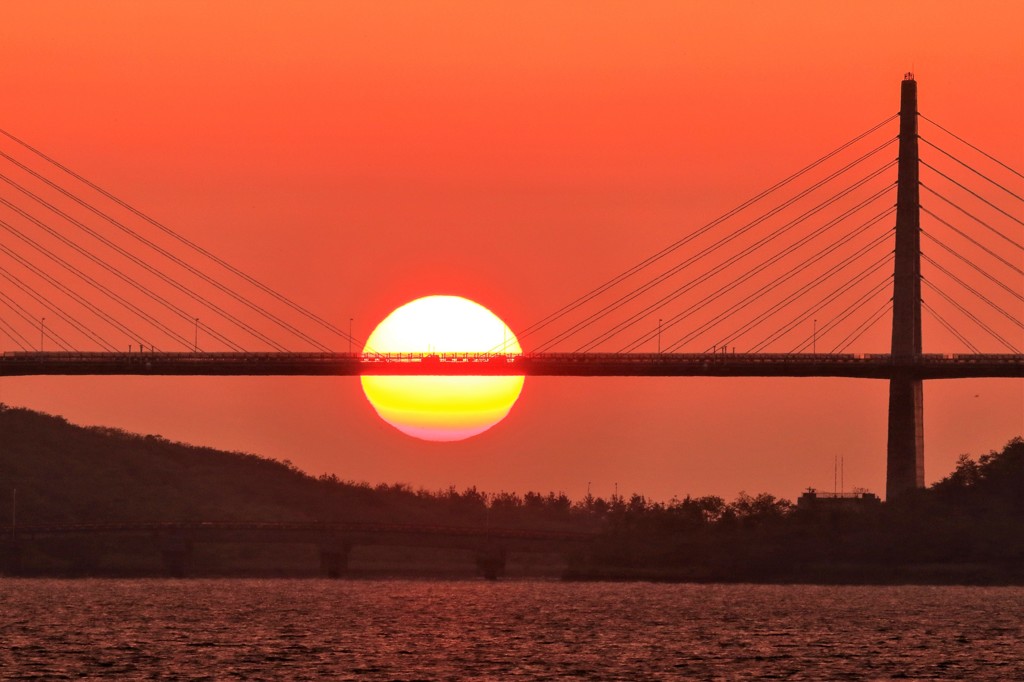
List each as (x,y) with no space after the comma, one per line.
(926,366)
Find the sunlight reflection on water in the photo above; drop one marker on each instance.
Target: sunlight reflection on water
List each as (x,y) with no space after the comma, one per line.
(405,629)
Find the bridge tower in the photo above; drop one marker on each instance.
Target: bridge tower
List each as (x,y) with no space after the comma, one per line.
(905,456)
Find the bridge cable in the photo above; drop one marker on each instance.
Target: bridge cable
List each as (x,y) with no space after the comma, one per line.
(830,297)
(630,296)
(771,285)
(187,242)
(117,273)
(765,289)
(967,313)
(842,316)
(950,328)
(139,261)
(649,284)
(55,310)
(722,316)
(173,258)
(980,151)
(70,293)
(650,335)
(20,311)
(985,273)
(149,268)
(973,193)
(975,242)
(561,312)
(5,326)
(839,317)
(788,327)
(825,300)
(863,328)
(973,217)
(972,169)
(736,334)
(965,285)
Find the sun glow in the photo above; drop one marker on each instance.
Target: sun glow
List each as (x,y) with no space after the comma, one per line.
(442,408)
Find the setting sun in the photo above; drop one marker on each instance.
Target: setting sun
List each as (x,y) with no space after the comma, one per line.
(442,408)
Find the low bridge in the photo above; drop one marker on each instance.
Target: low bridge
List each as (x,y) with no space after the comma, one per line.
(175,540)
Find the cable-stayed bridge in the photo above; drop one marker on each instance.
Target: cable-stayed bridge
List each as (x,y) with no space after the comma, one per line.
(856,366)
(836,270)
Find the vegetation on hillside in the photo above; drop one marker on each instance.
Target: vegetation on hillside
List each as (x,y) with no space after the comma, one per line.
(69,473)
(971,518)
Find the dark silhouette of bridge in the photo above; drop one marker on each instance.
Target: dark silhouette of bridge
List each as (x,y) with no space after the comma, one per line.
(905,366)
(175,540)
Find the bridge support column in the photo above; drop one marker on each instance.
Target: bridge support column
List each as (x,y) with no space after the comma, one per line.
(334,558)
(490,562)
(905,452)
(905,461)
(176,551)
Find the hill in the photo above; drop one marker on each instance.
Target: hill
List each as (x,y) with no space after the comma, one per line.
(74,474)
(965,528)
(68,473)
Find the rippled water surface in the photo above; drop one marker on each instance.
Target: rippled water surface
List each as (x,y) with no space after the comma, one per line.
(416,629)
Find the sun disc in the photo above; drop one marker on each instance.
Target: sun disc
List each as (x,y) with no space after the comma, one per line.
(442,408)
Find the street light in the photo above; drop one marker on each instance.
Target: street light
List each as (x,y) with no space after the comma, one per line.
(42,328)
(350,336)
(195,341)
(659,334)
(814,338)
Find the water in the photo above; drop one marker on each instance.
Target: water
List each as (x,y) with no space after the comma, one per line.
(416,629)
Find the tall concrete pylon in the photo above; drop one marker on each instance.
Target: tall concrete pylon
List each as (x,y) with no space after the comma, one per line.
(905,459)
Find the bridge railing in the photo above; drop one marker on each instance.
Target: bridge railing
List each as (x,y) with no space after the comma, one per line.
(469,357)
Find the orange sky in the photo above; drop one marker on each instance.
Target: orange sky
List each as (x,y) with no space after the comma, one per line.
(358,156)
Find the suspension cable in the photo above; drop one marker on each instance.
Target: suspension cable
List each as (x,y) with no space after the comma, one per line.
(765,288)
(173,258)
(971,316)
(718,319)
(949,327)
(842,315)
(985,273)
(56,310)
(975,242)
(973,193)
(561,312)
(862,329)
(219,261)
(972,169)
(149,268)
(635,293)
(8,329)
(648,336)
(786,328)
(973,217)
(980,151)
(154,321)
(974,291)
(20,311)
(75,296)
(771,311)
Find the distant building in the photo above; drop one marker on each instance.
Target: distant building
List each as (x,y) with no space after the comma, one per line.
(814,501)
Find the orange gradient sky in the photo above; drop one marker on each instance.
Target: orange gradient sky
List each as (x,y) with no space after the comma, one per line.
(360,155)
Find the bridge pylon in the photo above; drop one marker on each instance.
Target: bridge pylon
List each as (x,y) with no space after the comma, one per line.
(905,452)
